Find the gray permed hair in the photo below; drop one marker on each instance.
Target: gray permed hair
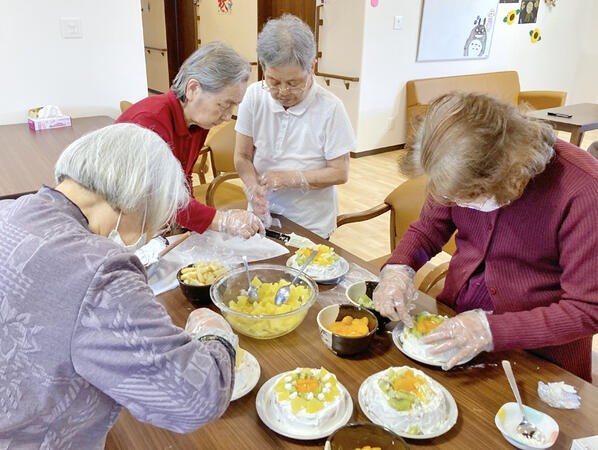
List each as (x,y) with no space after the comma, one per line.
(131,167)
(215,66)
(286,41)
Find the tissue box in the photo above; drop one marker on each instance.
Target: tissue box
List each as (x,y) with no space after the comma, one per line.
(36,124)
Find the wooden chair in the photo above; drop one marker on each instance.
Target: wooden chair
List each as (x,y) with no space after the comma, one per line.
(220,146)
(404,204)
(124,105)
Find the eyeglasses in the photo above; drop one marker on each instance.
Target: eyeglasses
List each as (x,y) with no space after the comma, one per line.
(290,89)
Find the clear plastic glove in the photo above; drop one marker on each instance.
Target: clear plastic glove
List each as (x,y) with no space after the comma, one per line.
(257,198)
(468,333)
(395,294)
(559,395)
(237,222)
(204,321)
(275,180)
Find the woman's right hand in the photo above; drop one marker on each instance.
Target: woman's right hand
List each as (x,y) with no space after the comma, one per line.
(395,294)
(258,199)
(237,222)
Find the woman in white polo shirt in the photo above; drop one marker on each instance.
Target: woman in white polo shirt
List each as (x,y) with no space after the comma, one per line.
(293,136)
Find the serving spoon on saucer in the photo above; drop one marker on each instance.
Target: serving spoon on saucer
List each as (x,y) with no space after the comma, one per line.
(525,427)
(251,289)
(283,293)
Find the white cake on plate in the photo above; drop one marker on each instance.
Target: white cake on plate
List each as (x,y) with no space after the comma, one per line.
(307,398)
(326,265)
(411,338)
(406,400)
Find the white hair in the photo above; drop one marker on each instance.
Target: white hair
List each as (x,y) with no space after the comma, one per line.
(286,41)
(214,65)
(131,167)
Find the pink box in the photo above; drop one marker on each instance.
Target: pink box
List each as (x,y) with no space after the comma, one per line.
(53,122)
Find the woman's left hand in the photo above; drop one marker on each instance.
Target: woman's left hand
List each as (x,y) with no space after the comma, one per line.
(278,179)
(467,332)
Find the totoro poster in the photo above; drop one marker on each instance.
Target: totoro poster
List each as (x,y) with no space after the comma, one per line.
(457,29)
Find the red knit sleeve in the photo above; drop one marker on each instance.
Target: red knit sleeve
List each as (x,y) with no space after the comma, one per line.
(425,237)
(575,314)
(197,217)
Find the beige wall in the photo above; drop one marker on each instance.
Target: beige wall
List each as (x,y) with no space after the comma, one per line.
(565,59)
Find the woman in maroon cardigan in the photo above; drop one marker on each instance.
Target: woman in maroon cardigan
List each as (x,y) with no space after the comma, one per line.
(523,203)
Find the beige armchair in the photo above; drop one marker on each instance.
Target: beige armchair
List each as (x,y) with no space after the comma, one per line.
(404,204)
(220,146)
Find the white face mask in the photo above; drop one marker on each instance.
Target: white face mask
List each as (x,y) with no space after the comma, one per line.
(115,236)
(485,206)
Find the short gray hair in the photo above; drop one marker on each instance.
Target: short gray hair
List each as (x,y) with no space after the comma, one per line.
(286,41)
(131,167)
(215,66)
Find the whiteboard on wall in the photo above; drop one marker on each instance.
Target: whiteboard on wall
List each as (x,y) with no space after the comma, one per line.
(456,29)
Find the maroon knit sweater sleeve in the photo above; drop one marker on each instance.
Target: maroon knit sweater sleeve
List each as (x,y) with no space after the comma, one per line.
(425,237)
(575,315)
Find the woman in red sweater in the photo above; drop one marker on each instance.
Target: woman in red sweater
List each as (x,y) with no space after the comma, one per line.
(524,207)
(209,85)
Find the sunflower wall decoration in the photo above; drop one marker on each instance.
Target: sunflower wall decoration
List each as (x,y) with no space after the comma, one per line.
(535,35)
(511,17)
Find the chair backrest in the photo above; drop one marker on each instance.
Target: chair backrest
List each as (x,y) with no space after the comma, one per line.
(420,93)
(124,105)
(406,202)
(221,142)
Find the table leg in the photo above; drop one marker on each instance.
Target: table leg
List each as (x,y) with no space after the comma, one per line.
(576,138)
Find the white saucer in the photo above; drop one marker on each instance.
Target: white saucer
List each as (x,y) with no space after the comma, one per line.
(249,378)
(396,337)
(263,403)
(453,413)
(343,268)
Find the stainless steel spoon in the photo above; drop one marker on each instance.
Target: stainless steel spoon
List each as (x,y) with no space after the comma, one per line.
(525,428)
(251,290)
(283,293)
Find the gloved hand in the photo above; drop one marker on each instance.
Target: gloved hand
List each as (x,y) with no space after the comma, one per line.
(284,179)
(257,198)
(237,222)
(395,294)
(468,332)
(204,321)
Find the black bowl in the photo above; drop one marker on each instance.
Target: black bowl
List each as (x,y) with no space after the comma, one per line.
(360,434)
(356,290)
(197,295)
(345,345)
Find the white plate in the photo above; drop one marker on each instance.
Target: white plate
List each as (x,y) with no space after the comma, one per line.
(453,413)
(252,373)
(264,400)
(342,271)
(396,337)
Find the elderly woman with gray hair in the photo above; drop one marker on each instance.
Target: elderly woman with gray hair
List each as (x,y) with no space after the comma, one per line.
(81,334)
(209,85)
(293,136)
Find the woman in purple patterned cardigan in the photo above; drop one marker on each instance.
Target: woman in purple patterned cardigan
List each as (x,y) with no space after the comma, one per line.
(81,334)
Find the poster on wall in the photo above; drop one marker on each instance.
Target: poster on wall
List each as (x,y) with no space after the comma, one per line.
(460,29)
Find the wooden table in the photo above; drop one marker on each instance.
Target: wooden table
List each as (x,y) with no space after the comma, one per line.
(27,157)
(584,117)
(479,388)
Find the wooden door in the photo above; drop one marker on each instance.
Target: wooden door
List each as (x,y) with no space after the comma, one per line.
(271,9)
(181,32)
